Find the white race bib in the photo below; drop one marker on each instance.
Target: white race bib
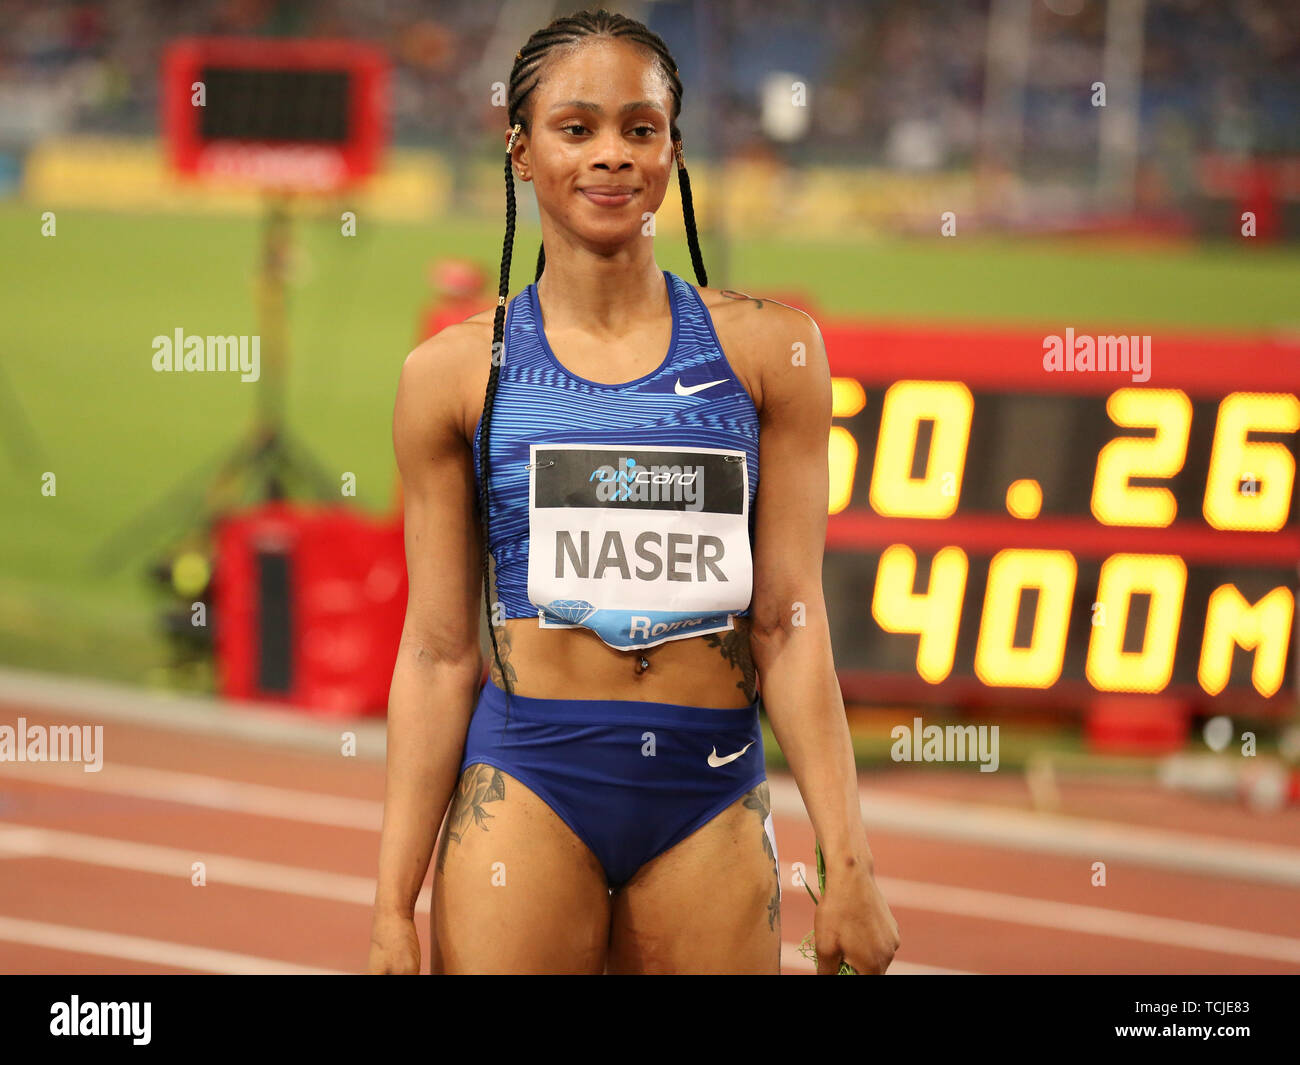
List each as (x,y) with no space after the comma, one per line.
(642,544)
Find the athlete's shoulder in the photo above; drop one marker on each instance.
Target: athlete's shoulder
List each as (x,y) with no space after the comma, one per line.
(441,373)
(764,339)
(770,342)
(453,347)
(758,320)
(482,318)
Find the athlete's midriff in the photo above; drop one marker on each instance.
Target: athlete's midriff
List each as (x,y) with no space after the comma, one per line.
(714,670)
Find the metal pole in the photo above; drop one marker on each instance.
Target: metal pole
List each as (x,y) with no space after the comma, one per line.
(710,35)
(272,324)
(1121,72)
(1006,69)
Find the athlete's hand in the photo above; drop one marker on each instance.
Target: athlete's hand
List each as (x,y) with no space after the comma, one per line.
(394,945)
(853,923)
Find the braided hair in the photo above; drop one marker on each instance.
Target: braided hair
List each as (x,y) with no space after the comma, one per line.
(524,78)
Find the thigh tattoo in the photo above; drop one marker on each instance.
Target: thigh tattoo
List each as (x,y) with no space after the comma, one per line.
(758,801)
(479,784)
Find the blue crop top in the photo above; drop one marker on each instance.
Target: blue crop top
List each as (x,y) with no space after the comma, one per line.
(627,509)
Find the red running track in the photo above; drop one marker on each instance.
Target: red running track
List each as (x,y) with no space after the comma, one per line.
(95,868)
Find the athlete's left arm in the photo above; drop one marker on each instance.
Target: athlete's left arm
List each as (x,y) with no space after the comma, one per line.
(790,636)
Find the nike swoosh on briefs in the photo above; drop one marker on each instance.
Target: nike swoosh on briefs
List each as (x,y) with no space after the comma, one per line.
(683,390)
(715,761)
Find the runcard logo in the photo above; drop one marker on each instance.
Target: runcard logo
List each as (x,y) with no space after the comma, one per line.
(1071,354)
(637,484)
(55,743)
(102,1018)
(196,354)
(951,743)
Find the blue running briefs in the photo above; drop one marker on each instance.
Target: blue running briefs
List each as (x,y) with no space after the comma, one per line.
(630,778)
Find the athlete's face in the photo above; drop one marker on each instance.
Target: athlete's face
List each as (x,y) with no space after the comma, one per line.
(599,151)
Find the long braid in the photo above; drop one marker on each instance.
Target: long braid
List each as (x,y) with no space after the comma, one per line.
(489,400)
(688,215)
(524,78)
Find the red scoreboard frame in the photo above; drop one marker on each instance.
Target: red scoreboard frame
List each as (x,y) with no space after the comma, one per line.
(303,115)
(1010,529)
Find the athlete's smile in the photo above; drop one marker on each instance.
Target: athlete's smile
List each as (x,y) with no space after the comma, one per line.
(609,195)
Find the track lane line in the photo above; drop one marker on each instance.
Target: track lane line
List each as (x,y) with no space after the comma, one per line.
(1089,920)
(935,818)
(1047,833)
(792,959)
(174,862)
(914,894)
(183,956)
(152,951)
(267,723)
(209,792)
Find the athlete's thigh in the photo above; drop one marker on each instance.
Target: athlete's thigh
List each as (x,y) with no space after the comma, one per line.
(710,904)
(514,890)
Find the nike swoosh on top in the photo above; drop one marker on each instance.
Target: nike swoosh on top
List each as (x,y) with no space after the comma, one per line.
(715,761)
(683,390)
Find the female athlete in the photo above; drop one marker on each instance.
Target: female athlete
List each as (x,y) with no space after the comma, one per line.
(609,809)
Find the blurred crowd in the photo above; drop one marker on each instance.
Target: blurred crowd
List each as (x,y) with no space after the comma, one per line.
(897,82)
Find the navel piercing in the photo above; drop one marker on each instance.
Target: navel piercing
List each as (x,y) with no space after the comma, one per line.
(642,664)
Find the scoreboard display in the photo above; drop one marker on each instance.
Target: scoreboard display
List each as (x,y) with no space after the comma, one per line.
(1006,527)
(302,115)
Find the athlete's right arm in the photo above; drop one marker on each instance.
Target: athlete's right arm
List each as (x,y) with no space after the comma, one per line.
(439,662)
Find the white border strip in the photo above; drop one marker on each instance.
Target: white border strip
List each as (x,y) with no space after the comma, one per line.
(151,951)
(792,959)
(175,863)
(1047,833)
(1090,920)
(270,723)
(212,793)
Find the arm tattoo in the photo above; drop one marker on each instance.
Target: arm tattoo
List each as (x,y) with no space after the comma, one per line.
(734,646)
(758,801)
(503,648)
(731,294)
(479,784)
